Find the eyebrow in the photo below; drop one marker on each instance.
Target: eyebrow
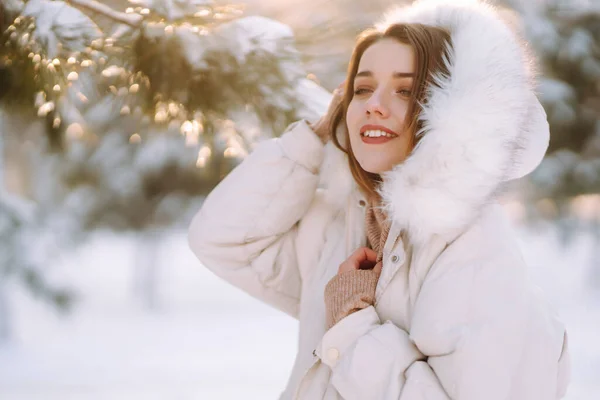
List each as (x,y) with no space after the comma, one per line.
(396,74)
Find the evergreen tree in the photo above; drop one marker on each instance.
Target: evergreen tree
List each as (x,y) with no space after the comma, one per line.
(147,115)
(25,246)
(566,38)
(145,109)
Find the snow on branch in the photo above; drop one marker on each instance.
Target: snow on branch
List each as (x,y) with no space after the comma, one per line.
(133,20)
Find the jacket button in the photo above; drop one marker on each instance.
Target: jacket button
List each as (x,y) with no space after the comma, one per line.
(395,259)
(333,354)
(362,203)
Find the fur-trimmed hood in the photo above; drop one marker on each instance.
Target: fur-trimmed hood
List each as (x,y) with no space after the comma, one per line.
(483,126)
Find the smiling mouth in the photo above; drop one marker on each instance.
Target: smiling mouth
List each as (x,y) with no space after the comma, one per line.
(376,134)
(377,131)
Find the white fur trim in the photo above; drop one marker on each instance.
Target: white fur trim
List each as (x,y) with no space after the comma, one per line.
(483,125)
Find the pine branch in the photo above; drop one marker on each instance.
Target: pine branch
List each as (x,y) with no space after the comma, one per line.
(576,15)
(133,20)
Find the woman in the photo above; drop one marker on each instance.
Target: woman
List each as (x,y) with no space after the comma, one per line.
(386,242)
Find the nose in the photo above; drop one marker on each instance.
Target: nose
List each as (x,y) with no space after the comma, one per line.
(377,105)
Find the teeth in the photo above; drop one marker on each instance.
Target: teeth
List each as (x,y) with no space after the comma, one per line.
(378,134)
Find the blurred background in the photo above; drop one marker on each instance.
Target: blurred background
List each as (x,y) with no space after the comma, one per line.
(118,117)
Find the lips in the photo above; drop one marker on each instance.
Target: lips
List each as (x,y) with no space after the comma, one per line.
(377,139)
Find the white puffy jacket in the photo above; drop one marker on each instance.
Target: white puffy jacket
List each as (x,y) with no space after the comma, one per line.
(456,318)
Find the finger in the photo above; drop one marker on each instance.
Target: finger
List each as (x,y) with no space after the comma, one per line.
(364,258)
(364,254)
(377,268)
(339,91)
(368,254)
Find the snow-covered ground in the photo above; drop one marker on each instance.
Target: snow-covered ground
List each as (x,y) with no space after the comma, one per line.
(207,340)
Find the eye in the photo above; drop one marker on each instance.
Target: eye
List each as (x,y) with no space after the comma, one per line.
(404,92)
(360,91)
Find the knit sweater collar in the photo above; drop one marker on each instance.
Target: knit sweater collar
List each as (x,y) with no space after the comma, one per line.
(377,226)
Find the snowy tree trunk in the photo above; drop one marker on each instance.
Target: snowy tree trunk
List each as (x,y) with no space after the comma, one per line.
(146,269)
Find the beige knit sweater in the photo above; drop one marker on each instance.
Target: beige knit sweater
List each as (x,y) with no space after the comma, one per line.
(354,290)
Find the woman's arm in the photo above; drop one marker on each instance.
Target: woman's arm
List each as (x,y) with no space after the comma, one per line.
(245,231)
(472,338)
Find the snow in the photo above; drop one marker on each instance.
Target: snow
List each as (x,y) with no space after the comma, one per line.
(208,340)
(555,167)
(174,9)
(203,340)
(57,22)
(257,33)
(566,274)
(314,99)
(579,46)
(554,91)
(13,6)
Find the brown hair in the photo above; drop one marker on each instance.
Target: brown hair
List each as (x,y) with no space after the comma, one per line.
(432,47)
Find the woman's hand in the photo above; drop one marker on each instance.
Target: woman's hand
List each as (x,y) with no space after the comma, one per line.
(363,258)
(354,286)
(323,125)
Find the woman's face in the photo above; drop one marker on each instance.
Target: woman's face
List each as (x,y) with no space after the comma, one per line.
(376,114)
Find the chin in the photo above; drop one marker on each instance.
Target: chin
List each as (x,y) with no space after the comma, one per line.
(375,166)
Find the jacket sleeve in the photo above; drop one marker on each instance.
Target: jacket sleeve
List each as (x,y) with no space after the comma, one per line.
(476,356)
(246,229)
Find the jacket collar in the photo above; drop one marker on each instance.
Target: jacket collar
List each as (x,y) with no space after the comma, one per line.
(483,126)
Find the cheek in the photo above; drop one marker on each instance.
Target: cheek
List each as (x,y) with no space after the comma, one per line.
(399,110)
